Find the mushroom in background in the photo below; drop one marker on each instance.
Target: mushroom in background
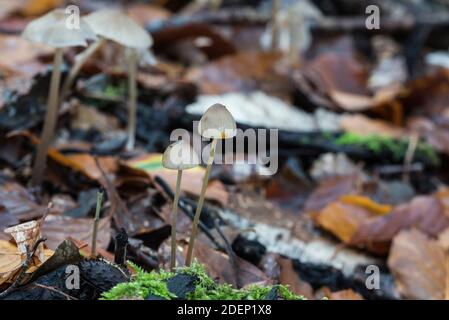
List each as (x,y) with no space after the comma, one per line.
(51,30)
(115,25)
(289,30)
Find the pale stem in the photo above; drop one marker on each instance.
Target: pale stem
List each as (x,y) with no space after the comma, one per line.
(51,117)
(196,219)
(132,99)
(80,60)
(275,24)
(96,221)
(173,221)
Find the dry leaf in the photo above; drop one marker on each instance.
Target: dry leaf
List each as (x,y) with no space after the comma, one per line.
(11,260)
(331,189)
(419,266)
(85,163)
(362,125)
(344,216)
(192,179)
(426,213)
(38,7)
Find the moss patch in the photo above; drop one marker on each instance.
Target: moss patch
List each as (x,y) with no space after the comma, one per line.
(155,284)
(381,144)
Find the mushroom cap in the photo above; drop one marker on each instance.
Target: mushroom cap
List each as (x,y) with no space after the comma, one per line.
(217,123)
(115,25)
(51,29)
(180,156)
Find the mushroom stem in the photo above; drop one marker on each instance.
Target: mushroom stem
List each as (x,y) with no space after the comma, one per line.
(132,99)
(93,252)
(199,208)
(173,221)
(51,117)
(80,60)
(275,24)
(295,24)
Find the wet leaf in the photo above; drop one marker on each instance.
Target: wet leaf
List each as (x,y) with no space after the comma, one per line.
(425,213)
(419,266)
(58,228)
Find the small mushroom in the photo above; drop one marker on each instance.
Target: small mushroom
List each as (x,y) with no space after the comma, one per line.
(216,123)
(51,30)
(178,156)
(117,26)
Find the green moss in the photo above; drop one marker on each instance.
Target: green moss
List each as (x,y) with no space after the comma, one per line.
(396,147)
(154,283)
(118,90)
(142,285)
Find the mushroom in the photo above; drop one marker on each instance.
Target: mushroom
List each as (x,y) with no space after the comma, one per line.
(216,123)
(51,30)
(115,25)
(178,156)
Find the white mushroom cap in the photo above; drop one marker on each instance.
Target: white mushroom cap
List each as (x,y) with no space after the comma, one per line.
(52,30)
(115,25)
(218,123)
(180,156)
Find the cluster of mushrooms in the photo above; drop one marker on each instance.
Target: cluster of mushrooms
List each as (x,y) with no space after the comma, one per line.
(216,123)
(53,30)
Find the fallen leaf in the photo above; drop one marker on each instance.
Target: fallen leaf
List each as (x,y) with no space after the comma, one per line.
(425,213)
(363,125)
(344,216)
(145,13)
(192,179)
(288,276)
(243,72)
(85,163)
(330,189)
(39,7)
(418,265)
(11,260)
(218,266)
(58,228)
(347,294)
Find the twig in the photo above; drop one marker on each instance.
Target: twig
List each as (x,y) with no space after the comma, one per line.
(93,252)
(409,156)
(25,266)
(53,289)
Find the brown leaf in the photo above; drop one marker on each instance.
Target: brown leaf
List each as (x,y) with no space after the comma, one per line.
(58,228)
(146,13)
(85,163)
(347,294)
(11,260)
(330,189)
(39,7)
(426,213)
(247,71)
(418,265)
(218,265)
(19,201)
(289,277)
(362,125)
(192,179)
(344,216)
